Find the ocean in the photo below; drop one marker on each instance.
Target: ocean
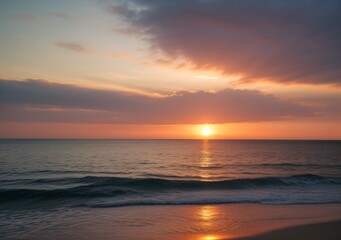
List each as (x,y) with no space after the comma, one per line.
(45,184)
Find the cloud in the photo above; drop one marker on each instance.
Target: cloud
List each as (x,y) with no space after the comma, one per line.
(42,101)
(62,15)
(293,41)
(25,17)
(72,46)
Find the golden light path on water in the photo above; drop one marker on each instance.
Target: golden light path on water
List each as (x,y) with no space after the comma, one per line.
(205,161)
(207,215)
(210,219)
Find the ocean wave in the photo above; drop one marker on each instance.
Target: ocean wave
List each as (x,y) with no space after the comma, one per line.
(266,165)
(268,197)
(158,183)
(93,186)
(162,182)
(208,201)
(58,172)
(298,165)
(25,194)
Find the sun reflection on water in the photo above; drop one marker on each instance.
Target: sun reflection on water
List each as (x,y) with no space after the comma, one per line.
(205,160)
(208,216)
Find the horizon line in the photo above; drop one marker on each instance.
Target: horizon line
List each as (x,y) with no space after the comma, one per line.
(199,139)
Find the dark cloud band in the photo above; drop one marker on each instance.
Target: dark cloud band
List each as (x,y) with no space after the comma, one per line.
(292,41)
(42,101)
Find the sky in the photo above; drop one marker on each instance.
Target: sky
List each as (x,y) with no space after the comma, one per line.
(265,69)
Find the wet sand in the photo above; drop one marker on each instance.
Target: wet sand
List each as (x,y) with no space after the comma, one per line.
(186,222)
(317,231)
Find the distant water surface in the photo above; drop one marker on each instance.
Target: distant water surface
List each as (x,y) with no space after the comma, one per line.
(97,189)
(112,173)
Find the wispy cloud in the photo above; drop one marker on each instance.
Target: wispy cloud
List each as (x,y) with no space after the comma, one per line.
(72,46)
(62,15)
(25,17)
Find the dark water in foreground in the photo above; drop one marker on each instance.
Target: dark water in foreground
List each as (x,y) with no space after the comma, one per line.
(74,175)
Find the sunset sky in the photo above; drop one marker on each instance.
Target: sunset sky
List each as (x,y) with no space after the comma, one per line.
(262,69)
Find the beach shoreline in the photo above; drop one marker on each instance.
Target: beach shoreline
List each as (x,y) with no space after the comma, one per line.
(316,231)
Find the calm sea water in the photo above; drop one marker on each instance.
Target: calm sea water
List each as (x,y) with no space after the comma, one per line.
(49,175)
(100,173)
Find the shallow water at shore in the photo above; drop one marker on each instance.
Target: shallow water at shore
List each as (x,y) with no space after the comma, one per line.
(192,222)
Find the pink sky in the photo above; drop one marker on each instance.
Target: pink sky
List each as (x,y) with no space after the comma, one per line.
(163,69)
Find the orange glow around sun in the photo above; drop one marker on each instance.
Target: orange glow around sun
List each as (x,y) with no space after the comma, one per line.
(206,130)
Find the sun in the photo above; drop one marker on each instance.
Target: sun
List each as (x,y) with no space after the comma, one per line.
(206,131)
